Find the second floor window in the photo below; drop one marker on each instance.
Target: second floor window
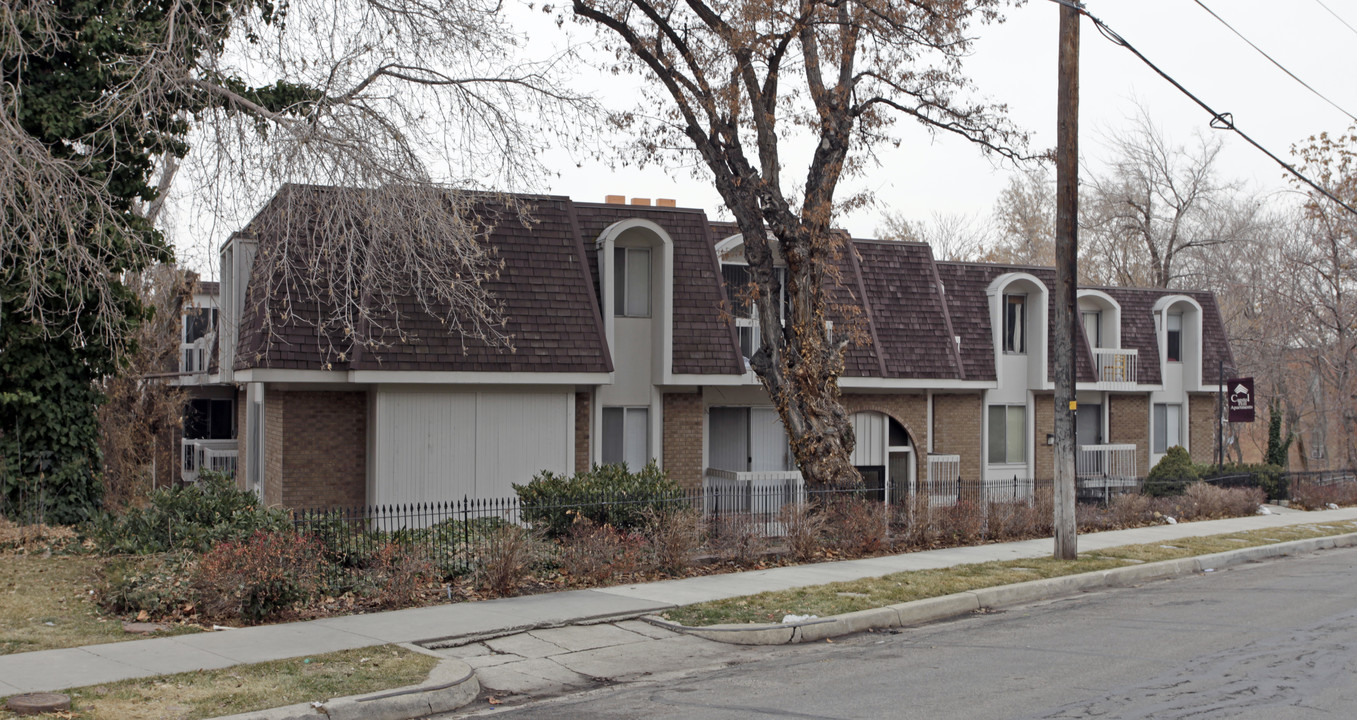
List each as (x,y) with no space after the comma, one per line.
(737,279)
(1093,328)
(1015,324)
(631,282)
(1174,321)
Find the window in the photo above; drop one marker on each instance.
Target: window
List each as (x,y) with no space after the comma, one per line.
(626,436)
(1093,328)
(1007,434)
(1015,324)
(1168,429)
(744,439)
(737,279)
(198,322)
(631,282)
(1175,337)
(210,419)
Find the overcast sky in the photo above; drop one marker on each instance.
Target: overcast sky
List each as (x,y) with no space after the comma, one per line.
(1015,63)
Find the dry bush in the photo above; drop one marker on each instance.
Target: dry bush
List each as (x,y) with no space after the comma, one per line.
(1017,520)
(1311,496)
(737,538)
(1202,501)
(1092,517)
(803,526)
(398,573)
(35,536)
(960,524)
(505,558)
(1127,510)
(675,536)
(910,522)
(260,577)
(858,526)
(592,553)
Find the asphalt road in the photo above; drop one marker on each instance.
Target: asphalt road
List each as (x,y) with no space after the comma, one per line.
(1274,640)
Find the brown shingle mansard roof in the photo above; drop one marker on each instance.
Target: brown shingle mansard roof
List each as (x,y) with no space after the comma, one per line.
(545,287)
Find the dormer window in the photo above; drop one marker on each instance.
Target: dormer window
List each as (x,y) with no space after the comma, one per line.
(199,325)
(1015,324)
(1093,327)
(1174,323)
(631,282)
(737,280)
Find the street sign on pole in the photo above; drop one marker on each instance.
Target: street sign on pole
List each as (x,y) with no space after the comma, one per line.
(1239,399)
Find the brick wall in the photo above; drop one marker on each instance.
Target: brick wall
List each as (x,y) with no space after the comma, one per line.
(911,411)
(956,430)
(274,403)
(1129,423)
(324,457)
(582,420)
(1043,455)
(1201,426)
(683,438)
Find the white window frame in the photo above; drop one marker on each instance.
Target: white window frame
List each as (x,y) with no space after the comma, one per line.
(1171,319)
(748,327)
(1097,339)
(1163,424)
(1010,412)
(628,264)
(1014,344)
(628,413)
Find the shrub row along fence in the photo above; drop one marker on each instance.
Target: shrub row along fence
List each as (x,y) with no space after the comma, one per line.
(455,535)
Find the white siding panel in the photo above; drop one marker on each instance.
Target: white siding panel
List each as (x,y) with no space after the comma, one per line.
(426,446)
(870,430)
(768,441)
(520,435)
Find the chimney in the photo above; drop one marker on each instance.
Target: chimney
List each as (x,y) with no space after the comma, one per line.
(640,201)
(666,202)
(615,199)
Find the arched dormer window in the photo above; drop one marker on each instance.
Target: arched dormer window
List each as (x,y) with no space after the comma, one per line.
(738,282)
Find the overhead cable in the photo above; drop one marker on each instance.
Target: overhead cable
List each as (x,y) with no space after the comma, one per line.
(1219,121)
(1336,15)
(1272,60)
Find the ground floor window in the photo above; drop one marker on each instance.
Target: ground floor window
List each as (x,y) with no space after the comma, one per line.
(1168,426)
(1007,434)
(744,439)
(626,436)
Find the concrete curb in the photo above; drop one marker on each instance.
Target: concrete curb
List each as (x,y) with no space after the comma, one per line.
(450,685)
(919,612)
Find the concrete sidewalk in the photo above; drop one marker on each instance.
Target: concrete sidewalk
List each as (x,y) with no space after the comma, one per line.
(93,664)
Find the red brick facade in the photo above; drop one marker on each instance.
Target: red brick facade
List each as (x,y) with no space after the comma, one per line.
(583,412)
(1043,455)
(1129,423)
(325,456)
(956,430)
(1202,416)
(683,438)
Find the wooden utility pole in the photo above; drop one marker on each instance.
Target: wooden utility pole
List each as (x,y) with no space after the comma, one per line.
(1066,279)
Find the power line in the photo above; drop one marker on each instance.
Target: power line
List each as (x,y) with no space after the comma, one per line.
(1274,61)
(1219,121)
(1336,15)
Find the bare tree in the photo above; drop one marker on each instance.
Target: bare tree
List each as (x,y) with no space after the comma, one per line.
(1156,204)
(1025,217)
(425,95)
(141,409)
(954,237)
(736,80)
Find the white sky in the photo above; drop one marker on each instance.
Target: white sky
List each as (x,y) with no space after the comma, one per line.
(1015,63)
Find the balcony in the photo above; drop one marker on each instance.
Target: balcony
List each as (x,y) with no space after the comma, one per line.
(760,493)
(943,484)
(1104,469)
(212,455)
(194,357)
(1116,368)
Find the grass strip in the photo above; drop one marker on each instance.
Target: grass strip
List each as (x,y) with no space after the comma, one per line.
(244,688)
(850,596)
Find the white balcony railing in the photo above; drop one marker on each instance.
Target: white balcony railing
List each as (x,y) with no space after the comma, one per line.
(1104,467)
(214,455)
(1116,366)
(943,484)
(194,357)
(761,493)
